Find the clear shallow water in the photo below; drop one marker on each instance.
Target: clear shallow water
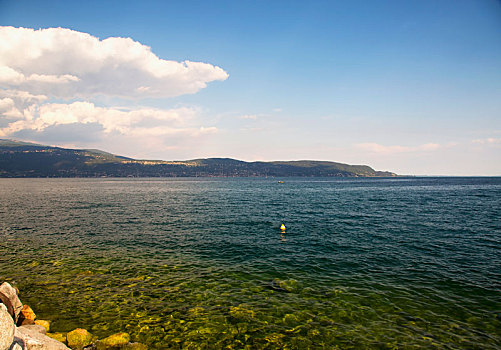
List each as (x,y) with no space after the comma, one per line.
(201,263)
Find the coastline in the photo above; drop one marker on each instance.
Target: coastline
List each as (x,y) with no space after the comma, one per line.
(20,329)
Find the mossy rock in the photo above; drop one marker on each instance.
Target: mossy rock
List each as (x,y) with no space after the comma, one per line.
(290,285)
(313,333)
(136,346)
(61,337)
(80,338)
(301,343)
(115,341)
(44,323)
(290,320)
(196,310)
(274,338)
(241,312)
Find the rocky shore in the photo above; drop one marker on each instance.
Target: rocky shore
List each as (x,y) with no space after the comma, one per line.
(21,330)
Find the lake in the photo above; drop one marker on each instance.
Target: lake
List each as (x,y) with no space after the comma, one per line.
(407,263)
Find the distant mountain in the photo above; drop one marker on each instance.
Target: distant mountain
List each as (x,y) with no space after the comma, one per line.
(23,159)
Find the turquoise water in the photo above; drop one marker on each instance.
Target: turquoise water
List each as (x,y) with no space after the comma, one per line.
(401,263)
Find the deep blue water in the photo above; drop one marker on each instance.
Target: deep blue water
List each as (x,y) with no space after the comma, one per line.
(187,263)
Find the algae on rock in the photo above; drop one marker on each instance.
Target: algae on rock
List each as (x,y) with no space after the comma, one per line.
(79,338)
(114,341)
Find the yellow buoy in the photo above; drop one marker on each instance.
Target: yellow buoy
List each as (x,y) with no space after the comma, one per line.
(282,227)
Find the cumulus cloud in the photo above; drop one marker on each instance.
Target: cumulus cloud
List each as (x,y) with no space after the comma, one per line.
(22,96)
(65,63)
(68,134)
(142,121)
(9,110)
(50,80)
(382,149)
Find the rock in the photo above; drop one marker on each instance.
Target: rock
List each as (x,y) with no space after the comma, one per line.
(16,346)
(7,328)
(9,298)
(115,341)
(29,339)
(43,323)
(79,338)
(26,316)
(28,313)
(24,322)
(241,312)
(35,327)
(284,285)
(136,346)
(58,336)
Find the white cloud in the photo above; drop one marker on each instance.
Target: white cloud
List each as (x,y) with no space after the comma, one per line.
(64,63)
(8,109)
(23,97)
(144,132)
(143,121)
(248,116)
(169,131)
(10,76)
(382,149)
(51,78)
(488,141)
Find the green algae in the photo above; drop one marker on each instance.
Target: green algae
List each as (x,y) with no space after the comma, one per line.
(58,336)
(161,312)
(241,312)
(79,338)
(178,316)
(114,341)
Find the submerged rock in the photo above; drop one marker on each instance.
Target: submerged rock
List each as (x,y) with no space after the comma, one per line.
(7,328)
(58,336)
(197,310)
(79,338)
(274,338)
(115,341)
(8,296)
(136,346)
(286,286)
(290,319)
(29,339)
(289,286)
(275,286)
(43,323)
(241,312)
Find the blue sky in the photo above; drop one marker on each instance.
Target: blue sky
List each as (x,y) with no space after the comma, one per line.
(408,86)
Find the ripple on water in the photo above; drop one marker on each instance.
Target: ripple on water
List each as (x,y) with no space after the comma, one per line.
(365,263)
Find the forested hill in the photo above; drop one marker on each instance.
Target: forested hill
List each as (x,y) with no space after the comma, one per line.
(22,159)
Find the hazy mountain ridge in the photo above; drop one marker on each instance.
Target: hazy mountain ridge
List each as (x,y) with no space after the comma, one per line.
(23,159)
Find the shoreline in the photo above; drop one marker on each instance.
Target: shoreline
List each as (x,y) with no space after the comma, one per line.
(21,330)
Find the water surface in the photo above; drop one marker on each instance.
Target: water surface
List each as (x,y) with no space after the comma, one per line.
(407,263)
